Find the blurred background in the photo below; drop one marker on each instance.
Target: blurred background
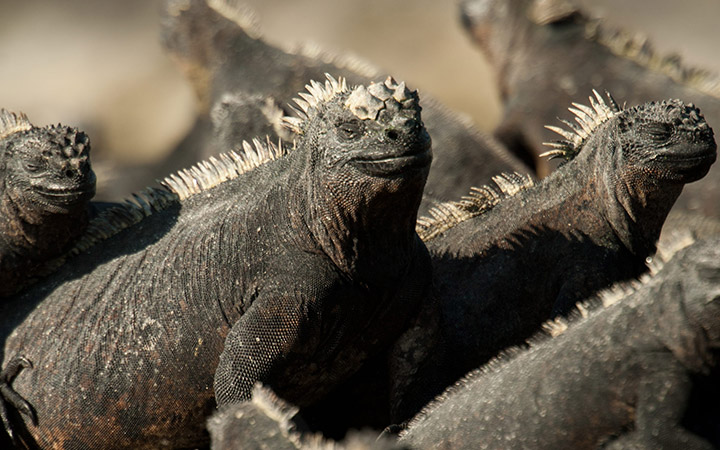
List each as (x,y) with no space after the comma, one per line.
(98,64)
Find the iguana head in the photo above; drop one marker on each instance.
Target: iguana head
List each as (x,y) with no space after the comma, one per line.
(48,168)
(367,155)
(368,135)
(668,140)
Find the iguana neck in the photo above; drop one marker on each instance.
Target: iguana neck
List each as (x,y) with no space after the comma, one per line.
(636,205)
(377,236)
(38,231)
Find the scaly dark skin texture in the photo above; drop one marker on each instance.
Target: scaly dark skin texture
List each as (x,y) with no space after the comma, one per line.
(46,184)
(548,53)
(593,222)
(292,273)
(618,378)
(224,57)
(269,422)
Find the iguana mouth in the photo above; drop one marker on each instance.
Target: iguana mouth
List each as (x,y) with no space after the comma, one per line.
(384,165)
(68,196)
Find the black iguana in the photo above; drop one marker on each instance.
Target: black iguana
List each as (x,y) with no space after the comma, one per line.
(218,45)
(617,376)
(548,53)
(289,267)
(46,184)
(502,266)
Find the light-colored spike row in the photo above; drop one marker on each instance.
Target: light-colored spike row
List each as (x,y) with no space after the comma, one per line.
(636,47)
(177,187)
(588,118)
(216,170)
(446,215)
(318,93)
(239,13)
(11,123)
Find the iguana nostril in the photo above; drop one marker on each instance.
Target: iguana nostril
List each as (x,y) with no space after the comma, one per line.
(69,173)
(392,134)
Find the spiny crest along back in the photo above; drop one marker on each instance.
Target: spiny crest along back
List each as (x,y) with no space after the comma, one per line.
(588,118)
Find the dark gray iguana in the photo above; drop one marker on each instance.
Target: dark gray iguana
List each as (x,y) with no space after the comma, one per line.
(548,53)
(218,45)
(502,266)
(618,376)
(46,184)
(289,267)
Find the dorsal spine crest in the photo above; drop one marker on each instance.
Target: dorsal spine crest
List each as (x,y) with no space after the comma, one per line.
(636,47)
(11,123)
(446,215)
(588,118)
(177,187)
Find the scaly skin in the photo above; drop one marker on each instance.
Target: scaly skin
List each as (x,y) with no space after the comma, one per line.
(619,377)
(224,56)
(46,184)
(500,274)
(543,65)
(291,273)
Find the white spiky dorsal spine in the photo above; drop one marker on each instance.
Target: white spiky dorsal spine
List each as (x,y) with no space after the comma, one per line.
(11,123)
(316,93)
(446,215)
(588,118)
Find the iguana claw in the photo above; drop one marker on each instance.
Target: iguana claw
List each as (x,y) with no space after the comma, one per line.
(8,396)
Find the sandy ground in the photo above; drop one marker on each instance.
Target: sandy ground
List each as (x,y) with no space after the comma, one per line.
(98,64)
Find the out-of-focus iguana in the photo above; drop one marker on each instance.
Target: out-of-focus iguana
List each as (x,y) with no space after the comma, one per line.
(218,45)
(46,184)
(618,376)
(290,267)
(549,53)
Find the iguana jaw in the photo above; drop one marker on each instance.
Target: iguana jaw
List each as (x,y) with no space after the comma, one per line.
(416,157)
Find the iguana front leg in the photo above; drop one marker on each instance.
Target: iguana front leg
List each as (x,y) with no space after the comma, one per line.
(9,397)
(263,336)
(661,401)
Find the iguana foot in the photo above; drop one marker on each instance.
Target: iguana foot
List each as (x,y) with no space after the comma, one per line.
(8,396)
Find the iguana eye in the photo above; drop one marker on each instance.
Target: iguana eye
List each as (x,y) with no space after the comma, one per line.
(349,131)
(31,167)
(658,131)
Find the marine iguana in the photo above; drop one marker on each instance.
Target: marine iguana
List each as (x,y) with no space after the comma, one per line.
(502,266)
(618,374)
(219,47)
(46,184)
(288,267)
(546,53)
